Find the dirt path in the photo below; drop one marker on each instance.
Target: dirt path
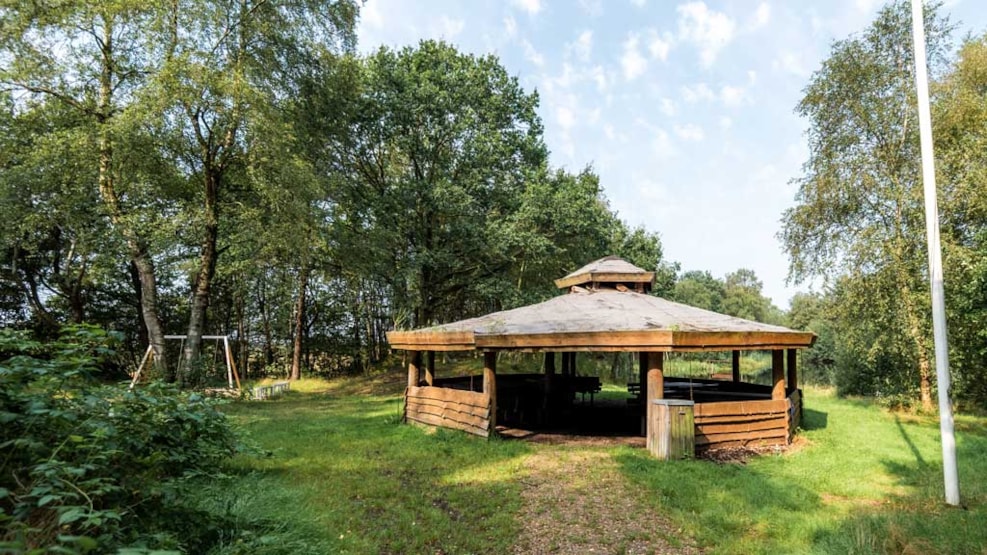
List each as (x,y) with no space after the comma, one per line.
(576,501)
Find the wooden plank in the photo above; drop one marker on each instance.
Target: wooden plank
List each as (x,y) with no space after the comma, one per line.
(778,374)
(646,340)
(415,411)
(740,426)
(444,423)
(446,394)
(431,340)
(780,434)
(579,279)
(741,407)
(701,447)
(490,384)
(727,418)
(445,406)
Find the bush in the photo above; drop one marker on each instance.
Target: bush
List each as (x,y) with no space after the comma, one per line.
(91,467)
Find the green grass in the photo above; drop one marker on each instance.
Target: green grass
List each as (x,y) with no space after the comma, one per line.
(349,478)
(860,480)
(341,474)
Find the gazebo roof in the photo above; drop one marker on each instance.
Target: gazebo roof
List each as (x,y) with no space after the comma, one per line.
(602,320)
(608,270)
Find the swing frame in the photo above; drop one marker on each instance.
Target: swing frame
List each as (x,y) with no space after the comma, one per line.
(231,371)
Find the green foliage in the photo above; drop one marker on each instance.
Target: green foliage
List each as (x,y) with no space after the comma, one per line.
(93,467)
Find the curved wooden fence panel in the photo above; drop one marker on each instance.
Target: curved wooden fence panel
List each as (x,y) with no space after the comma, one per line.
(448,408)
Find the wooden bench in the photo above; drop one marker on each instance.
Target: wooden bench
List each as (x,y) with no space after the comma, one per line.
(268,391)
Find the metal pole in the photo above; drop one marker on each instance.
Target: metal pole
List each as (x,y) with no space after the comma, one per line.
(950,474)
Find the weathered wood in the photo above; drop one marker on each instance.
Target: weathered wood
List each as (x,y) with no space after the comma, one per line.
(778,374)
(490,384)
(433,420)
(742,408)
(446,406)
(707,429)
(795,411)
(653,387)
(448,413)
(702,445)
(671,430)
(590,277)
(735,365)
(649,340)
(760,435)
(461,396)
(731,418)
(792,373)
(414,368)
(430,368)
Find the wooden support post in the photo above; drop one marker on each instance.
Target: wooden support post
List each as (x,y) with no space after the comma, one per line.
(654,386)
(572,364)
(549,363)
(566,363)
(490,385)
(430,368)
(778,374)
(793,381)
(735,366)
(414,368)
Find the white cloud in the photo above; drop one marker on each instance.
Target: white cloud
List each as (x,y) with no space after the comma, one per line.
(761,17)
(668,107)
(565,118)
(608,132)
(592,8)
(632,62)
(689,132)
(510,26)
(530,6)
(751,77)
(659,46)
(709,30)
(449,28)
(370,14)
(791,62)
(531,54)
(638,3)
(695,93)
(662,144)
(726,122)
(732,96)
(583,46)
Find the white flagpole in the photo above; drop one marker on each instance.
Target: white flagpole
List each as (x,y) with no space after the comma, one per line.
(950,474)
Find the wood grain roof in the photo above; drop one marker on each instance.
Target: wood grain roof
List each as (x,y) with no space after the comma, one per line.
(602,320)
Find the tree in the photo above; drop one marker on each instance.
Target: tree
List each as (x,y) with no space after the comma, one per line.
(699,289)
(858,216)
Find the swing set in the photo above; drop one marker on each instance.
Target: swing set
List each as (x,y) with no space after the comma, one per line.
(221,341)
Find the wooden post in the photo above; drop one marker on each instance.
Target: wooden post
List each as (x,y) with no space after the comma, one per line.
(572,364)
(490,385)
(793,381)
(736,366)
(565,363)
(653,386)
(778,374)
(430,368)
(414,368)
(550,363)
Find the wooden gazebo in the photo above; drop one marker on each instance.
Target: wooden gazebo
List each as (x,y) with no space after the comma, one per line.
(607,309)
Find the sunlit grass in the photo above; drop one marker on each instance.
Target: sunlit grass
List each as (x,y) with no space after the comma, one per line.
(343,475)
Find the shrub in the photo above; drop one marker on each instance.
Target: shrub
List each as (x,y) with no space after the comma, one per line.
(86,466)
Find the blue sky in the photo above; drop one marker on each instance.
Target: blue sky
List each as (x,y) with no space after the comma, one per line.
(684,109)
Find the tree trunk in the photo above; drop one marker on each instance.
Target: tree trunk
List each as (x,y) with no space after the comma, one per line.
(136,247)
(296,355)
(207,266)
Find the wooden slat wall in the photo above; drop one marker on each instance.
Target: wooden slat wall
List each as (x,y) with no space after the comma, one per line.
(733,424)
(448,408)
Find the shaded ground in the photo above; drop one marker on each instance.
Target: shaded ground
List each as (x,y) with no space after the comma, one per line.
(575,500)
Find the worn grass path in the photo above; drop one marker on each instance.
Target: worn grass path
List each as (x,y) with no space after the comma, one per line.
(575,500)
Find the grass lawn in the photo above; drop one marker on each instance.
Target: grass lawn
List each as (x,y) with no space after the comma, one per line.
(341,474)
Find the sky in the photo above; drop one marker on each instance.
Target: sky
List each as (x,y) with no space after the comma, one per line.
(685,109)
